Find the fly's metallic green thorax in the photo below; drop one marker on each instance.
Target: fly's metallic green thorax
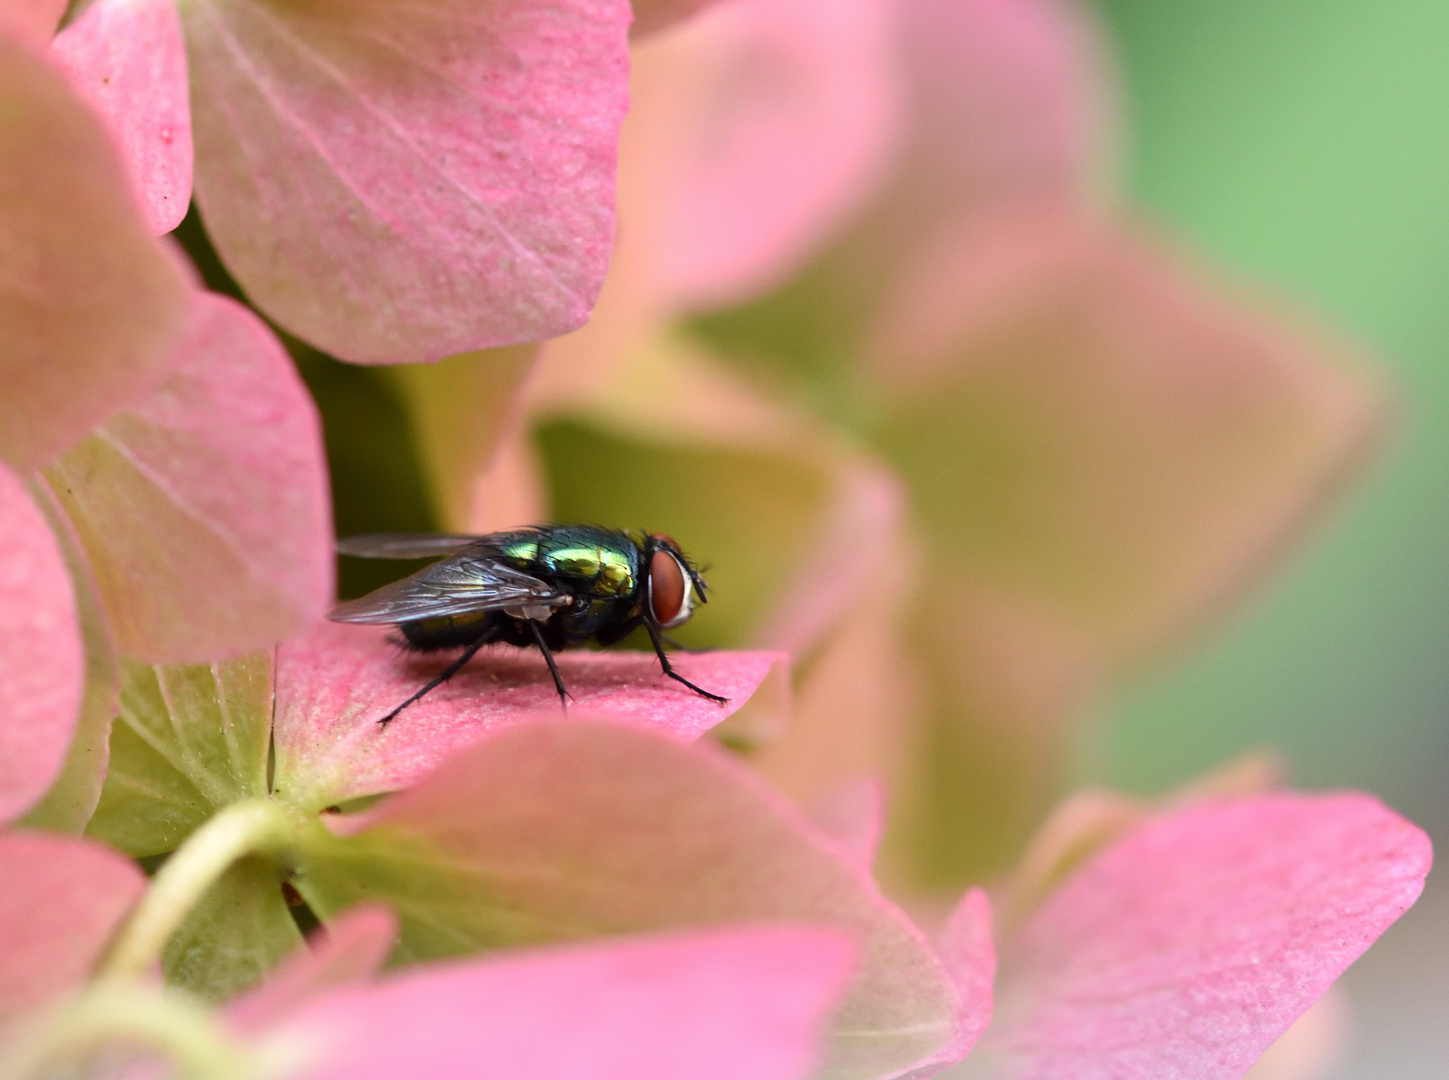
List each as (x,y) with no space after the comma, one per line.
(603,562)
(552,586)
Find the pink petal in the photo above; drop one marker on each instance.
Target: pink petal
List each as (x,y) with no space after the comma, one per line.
(31,21)
(204,508)
(853,814)
(348,951)
(127,60)
(562,829)
(969,954)
(1005,106)
(854,709)
(652,15)
(70,801)
(90,303)
(462,411)
(1010,101)
(862,533)
(728,1005)
(1105,448)
(42,662)
(61,902)
(1143,440)
(1187,948)
(754,132)
(404,181)
(336,682)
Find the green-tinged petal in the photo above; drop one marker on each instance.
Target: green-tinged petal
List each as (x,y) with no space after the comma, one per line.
(563,830)
(204,506)
(191,739)
(235,935)
(1103,451)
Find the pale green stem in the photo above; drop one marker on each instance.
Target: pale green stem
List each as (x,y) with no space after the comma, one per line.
(143,1019)
(254,827)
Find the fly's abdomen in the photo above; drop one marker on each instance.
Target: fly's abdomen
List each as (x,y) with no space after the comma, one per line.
(450,631)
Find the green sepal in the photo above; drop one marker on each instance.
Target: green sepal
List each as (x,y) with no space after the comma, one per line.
(190,739)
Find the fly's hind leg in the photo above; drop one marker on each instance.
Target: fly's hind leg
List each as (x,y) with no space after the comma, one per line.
(654,636)
(442,677)
(563,695)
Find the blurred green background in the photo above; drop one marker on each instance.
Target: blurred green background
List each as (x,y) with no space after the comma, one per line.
(1305,143)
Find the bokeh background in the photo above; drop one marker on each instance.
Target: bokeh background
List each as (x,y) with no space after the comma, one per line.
(1305,143)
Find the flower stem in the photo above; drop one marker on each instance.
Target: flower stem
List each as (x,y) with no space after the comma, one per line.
(254,827)
(140,1018)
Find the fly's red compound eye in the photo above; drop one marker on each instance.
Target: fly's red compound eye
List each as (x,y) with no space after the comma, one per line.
(671,596)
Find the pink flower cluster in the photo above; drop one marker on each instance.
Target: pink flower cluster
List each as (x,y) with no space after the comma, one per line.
(411,181)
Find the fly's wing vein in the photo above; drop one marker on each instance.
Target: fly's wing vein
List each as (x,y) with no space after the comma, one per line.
(464,584)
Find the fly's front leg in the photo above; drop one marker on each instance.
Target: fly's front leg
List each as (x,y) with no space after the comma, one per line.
(669,668)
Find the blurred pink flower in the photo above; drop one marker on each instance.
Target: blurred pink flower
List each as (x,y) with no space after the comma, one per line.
(387,181)
(42,663)
(63,900)
(1188,946)
(746,1003)
(91,306)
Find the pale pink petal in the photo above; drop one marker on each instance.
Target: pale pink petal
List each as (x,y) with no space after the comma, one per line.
(754,132)
(204,508)
(462,412)
(652,15)
(349,950)
(1010,100)
(42,662)
(562,829)
(126,59)
(510,491)
(71,799)
(854,707)
(1125,441)
(1187,948)
(404,181)
(853,814)
(62,900)
(91,305)
(32,21)
(1106,449)
(728,1005)
(1005,105)
(969,953)
(860,539)
(336,682)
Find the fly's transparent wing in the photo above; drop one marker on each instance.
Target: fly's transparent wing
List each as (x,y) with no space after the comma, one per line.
(404,545)
(465,584)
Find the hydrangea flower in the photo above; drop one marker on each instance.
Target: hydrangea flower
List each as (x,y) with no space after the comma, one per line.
(388,182)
